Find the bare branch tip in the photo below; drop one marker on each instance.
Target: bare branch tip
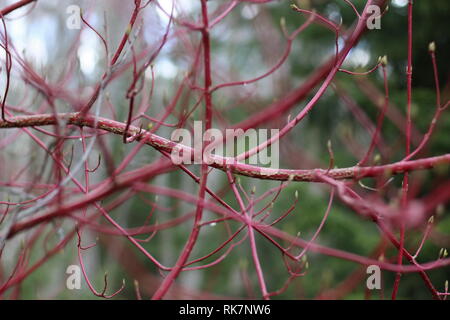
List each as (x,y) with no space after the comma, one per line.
(432,47)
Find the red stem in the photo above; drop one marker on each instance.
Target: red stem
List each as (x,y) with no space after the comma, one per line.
(169,280)
(15,6)
(405,185)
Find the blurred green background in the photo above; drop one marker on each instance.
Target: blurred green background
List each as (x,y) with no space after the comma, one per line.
(245,44)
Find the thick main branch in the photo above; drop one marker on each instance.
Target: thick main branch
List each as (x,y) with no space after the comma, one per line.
(223,163)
